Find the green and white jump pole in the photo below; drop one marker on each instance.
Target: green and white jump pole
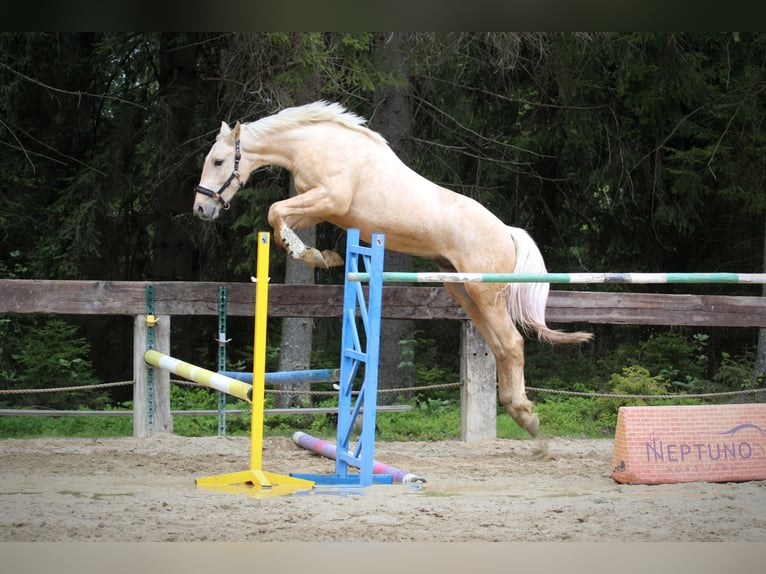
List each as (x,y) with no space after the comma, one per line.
(638,278)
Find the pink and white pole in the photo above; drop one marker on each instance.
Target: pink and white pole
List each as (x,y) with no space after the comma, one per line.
(329,450)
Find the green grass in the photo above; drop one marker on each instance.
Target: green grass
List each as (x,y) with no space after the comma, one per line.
(64,427)
(429,420)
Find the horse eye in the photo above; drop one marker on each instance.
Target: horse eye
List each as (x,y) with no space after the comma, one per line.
(218,162)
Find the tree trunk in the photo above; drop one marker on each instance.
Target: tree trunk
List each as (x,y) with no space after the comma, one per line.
(176,169)
(393,120)
(297,332)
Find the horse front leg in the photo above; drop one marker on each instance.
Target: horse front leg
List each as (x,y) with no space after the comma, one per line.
(290,242)
(296,213)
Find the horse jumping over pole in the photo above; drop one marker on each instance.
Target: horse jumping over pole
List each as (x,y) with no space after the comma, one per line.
(346,174)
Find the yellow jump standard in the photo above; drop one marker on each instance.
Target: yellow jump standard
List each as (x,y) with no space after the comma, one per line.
(254,481)
(256,476)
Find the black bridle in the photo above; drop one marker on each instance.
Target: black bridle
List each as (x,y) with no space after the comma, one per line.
(234,175)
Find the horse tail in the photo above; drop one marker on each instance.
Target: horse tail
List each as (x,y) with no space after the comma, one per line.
(526,301)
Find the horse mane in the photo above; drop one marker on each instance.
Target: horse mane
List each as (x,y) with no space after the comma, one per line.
(320,111)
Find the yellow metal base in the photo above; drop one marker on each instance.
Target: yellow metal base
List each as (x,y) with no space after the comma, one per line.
(255,483)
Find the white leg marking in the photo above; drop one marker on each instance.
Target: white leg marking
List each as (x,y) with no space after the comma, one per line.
(294,245)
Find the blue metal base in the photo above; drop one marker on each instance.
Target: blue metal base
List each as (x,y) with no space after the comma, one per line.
(342,480)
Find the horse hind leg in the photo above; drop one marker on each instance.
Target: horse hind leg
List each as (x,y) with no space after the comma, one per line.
(490,315)
(512,393)
(511,389)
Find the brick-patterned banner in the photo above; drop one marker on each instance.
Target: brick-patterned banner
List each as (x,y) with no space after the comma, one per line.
(713,443)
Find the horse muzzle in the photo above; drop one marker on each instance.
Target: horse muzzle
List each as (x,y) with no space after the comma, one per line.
(206,209)
(206,214)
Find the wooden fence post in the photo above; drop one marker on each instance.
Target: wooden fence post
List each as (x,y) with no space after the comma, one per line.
(162,420)
(478,393)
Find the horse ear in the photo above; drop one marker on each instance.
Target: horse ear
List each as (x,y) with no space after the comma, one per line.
(236,130)
(225,129)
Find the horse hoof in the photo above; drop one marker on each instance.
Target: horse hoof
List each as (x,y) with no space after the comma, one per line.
(533,425)
(314,258)
(332,259)
(321,259)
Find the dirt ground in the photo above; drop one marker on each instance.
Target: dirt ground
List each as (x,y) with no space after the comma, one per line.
(137,490)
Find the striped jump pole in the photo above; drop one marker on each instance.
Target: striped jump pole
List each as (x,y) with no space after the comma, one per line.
(329,450)
(302,376)
(638,278)
(216,381)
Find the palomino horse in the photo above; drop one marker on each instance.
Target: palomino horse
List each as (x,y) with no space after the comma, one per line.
(347,174)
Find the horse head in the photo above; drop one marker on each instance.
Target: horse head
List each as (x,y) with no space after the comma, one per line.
(222,174)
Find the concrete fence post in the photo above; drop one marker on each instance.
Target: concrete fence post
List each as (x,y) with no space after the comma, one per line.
(478,393)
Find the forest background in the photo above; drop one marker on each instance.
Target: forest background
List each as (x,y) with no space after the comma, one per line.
(641,152)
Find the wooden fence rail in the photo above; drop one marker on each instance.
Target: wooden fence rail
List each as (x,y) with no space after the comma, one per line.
(399,302)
